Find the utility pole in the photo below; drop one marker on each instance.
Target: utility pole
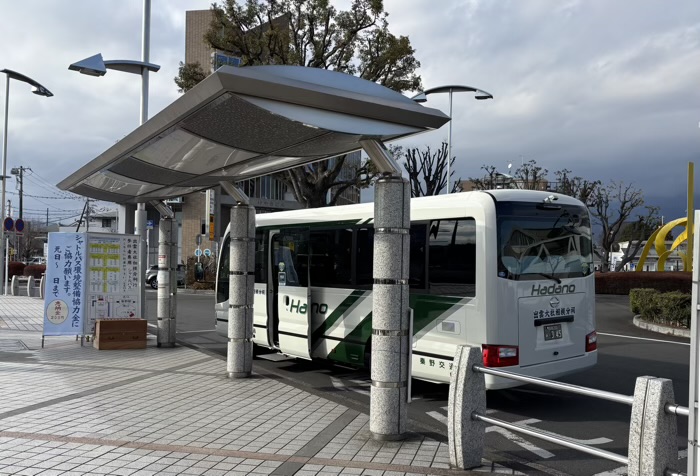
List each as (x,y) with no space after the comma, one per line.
(19,172)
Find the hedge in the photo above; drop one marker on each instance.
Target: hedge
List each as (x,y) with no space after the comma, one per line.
(624,282)
(670,309)
(35,270)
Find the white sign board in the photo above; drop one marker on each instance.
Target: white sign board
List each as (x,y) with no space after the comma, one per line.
(90,276)
(64,302)
(113,278)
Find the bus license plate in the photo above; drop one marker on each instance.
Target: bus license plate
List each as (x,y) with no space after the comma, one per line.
(552,332)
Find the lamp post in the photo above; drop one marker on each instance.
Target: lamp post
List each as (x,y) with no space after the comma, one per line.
(479,94)
(36,89)
(96,66)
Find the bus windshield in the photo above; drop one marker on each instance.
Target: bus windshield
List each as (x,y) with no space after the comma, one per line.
(550,242)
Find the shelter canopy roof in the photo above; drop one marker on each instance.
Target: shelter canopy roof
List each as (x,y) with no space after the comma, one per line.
(241,123)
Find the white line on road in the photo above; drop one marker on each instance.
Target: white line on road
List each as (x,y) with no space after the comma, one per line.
(643,338)
(337,383)
(438,416)
(542,453)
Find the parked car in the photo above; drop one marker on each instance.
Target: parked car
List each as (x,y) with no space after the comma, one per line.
(152,275)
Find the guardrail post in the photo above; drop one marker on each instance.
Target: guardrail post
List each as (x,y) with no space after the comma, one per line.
(653,432)
(467,395)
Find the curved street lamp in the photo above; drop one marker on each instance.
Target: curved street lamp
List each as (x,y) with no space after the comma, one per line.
(96,66)
(479,94)
(37,89)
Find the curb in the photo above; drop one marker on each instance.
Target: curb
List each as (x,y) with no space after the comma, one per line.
(660,328)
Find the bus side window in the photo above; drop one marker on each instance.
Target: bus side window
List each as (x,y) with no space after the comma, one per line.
(452,257)
(365,257)
(223,274)
(416,270)
(260,257)
(331,258)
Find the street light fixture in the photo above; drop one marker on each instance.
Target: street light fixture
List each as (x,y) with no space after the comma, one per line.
(479,94)
(39,90)
(96,66)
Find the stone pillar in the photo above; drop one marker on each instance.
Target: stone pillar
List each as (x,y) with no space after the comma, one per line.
(140,231)
(166,320)
(465,436)
(390,313)
(653,431)
(173,277)
(239,360)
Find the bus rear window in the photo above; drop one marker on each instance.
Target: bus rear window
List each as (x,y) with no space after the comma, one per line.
(543,242)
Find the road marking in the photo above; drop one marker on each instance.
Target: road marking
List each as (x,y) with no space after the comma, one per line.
(337,383)
(644,338)
(541,452)
(438,416)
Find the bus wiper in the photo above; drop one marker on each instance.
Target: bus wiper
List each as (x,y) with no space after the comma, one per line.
(549,276)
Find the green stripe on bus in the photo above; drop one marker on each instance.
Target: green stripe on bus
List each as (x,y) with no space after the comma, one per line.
(352,349)
(429,308)
(330,321)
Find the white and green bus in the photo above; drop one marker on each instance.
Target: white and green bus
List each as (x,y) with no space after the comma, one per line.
(510,271)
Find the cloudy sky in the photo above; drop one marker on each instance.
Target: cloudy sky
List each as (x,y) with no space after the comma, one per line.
(607,89)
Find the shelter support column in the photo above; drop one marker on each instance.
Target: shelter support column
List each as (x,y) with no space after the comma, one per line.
(390,312)
(239,356)
(167,275)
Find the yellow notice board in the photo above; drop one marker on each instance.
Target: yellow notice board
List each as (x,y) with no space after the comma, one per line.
(113,278)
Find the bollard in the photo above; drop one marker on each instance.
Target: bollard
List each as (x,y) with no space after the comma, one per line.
(467,395)
(30,286)
(42,283)
(14,286)
(653,432)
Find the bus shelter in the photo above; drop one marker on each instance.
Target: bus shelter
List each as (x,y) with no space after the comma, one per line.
(242,123)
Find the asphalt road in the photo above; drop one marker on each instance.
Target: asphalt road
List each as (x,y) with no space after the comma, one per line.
(624,353)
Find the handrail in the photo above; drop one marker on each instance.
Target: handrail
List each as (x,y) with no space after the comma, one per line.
(558,439)
(567,387)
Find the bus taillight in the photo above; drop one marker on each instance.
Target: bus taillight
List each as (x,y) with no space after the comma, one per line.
(591,341)
(499,355)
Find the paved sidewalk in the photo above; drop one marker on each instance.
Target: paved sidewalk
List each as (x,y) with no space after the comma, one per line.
(67,409)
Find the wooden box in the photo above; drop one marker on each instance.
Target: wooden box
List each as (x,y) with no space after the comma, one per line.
(114,334)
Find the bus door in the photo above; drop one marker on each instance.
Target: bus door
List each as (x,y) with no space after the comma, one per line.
(291,320)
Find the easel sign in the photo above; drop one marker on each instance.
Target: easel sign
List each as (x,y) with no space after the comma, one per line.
(64,306)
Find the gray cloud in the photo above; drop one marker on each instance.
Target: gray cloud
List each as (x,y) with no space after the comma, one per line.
(605,89)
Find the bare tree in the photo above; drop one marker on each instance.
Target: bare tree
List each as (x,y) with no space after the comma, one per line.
(427,170)
(492,179)
(576,187)
(636,233)
(530,176)
(613,206)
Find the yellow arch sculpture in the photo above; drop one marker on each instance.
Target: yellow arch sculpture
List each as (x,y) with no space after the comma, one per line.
(658,241)
(658,238)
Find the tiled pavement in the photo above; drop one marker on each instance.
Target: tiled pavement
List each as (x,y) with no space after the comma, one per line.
(70,409)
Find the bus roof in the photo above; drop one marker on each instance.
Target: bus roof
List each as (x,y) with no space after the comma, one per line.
(441,205)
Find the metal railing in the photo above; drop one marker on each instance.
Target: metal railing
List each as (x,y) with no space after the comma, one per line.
(653,428)
(670,408)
